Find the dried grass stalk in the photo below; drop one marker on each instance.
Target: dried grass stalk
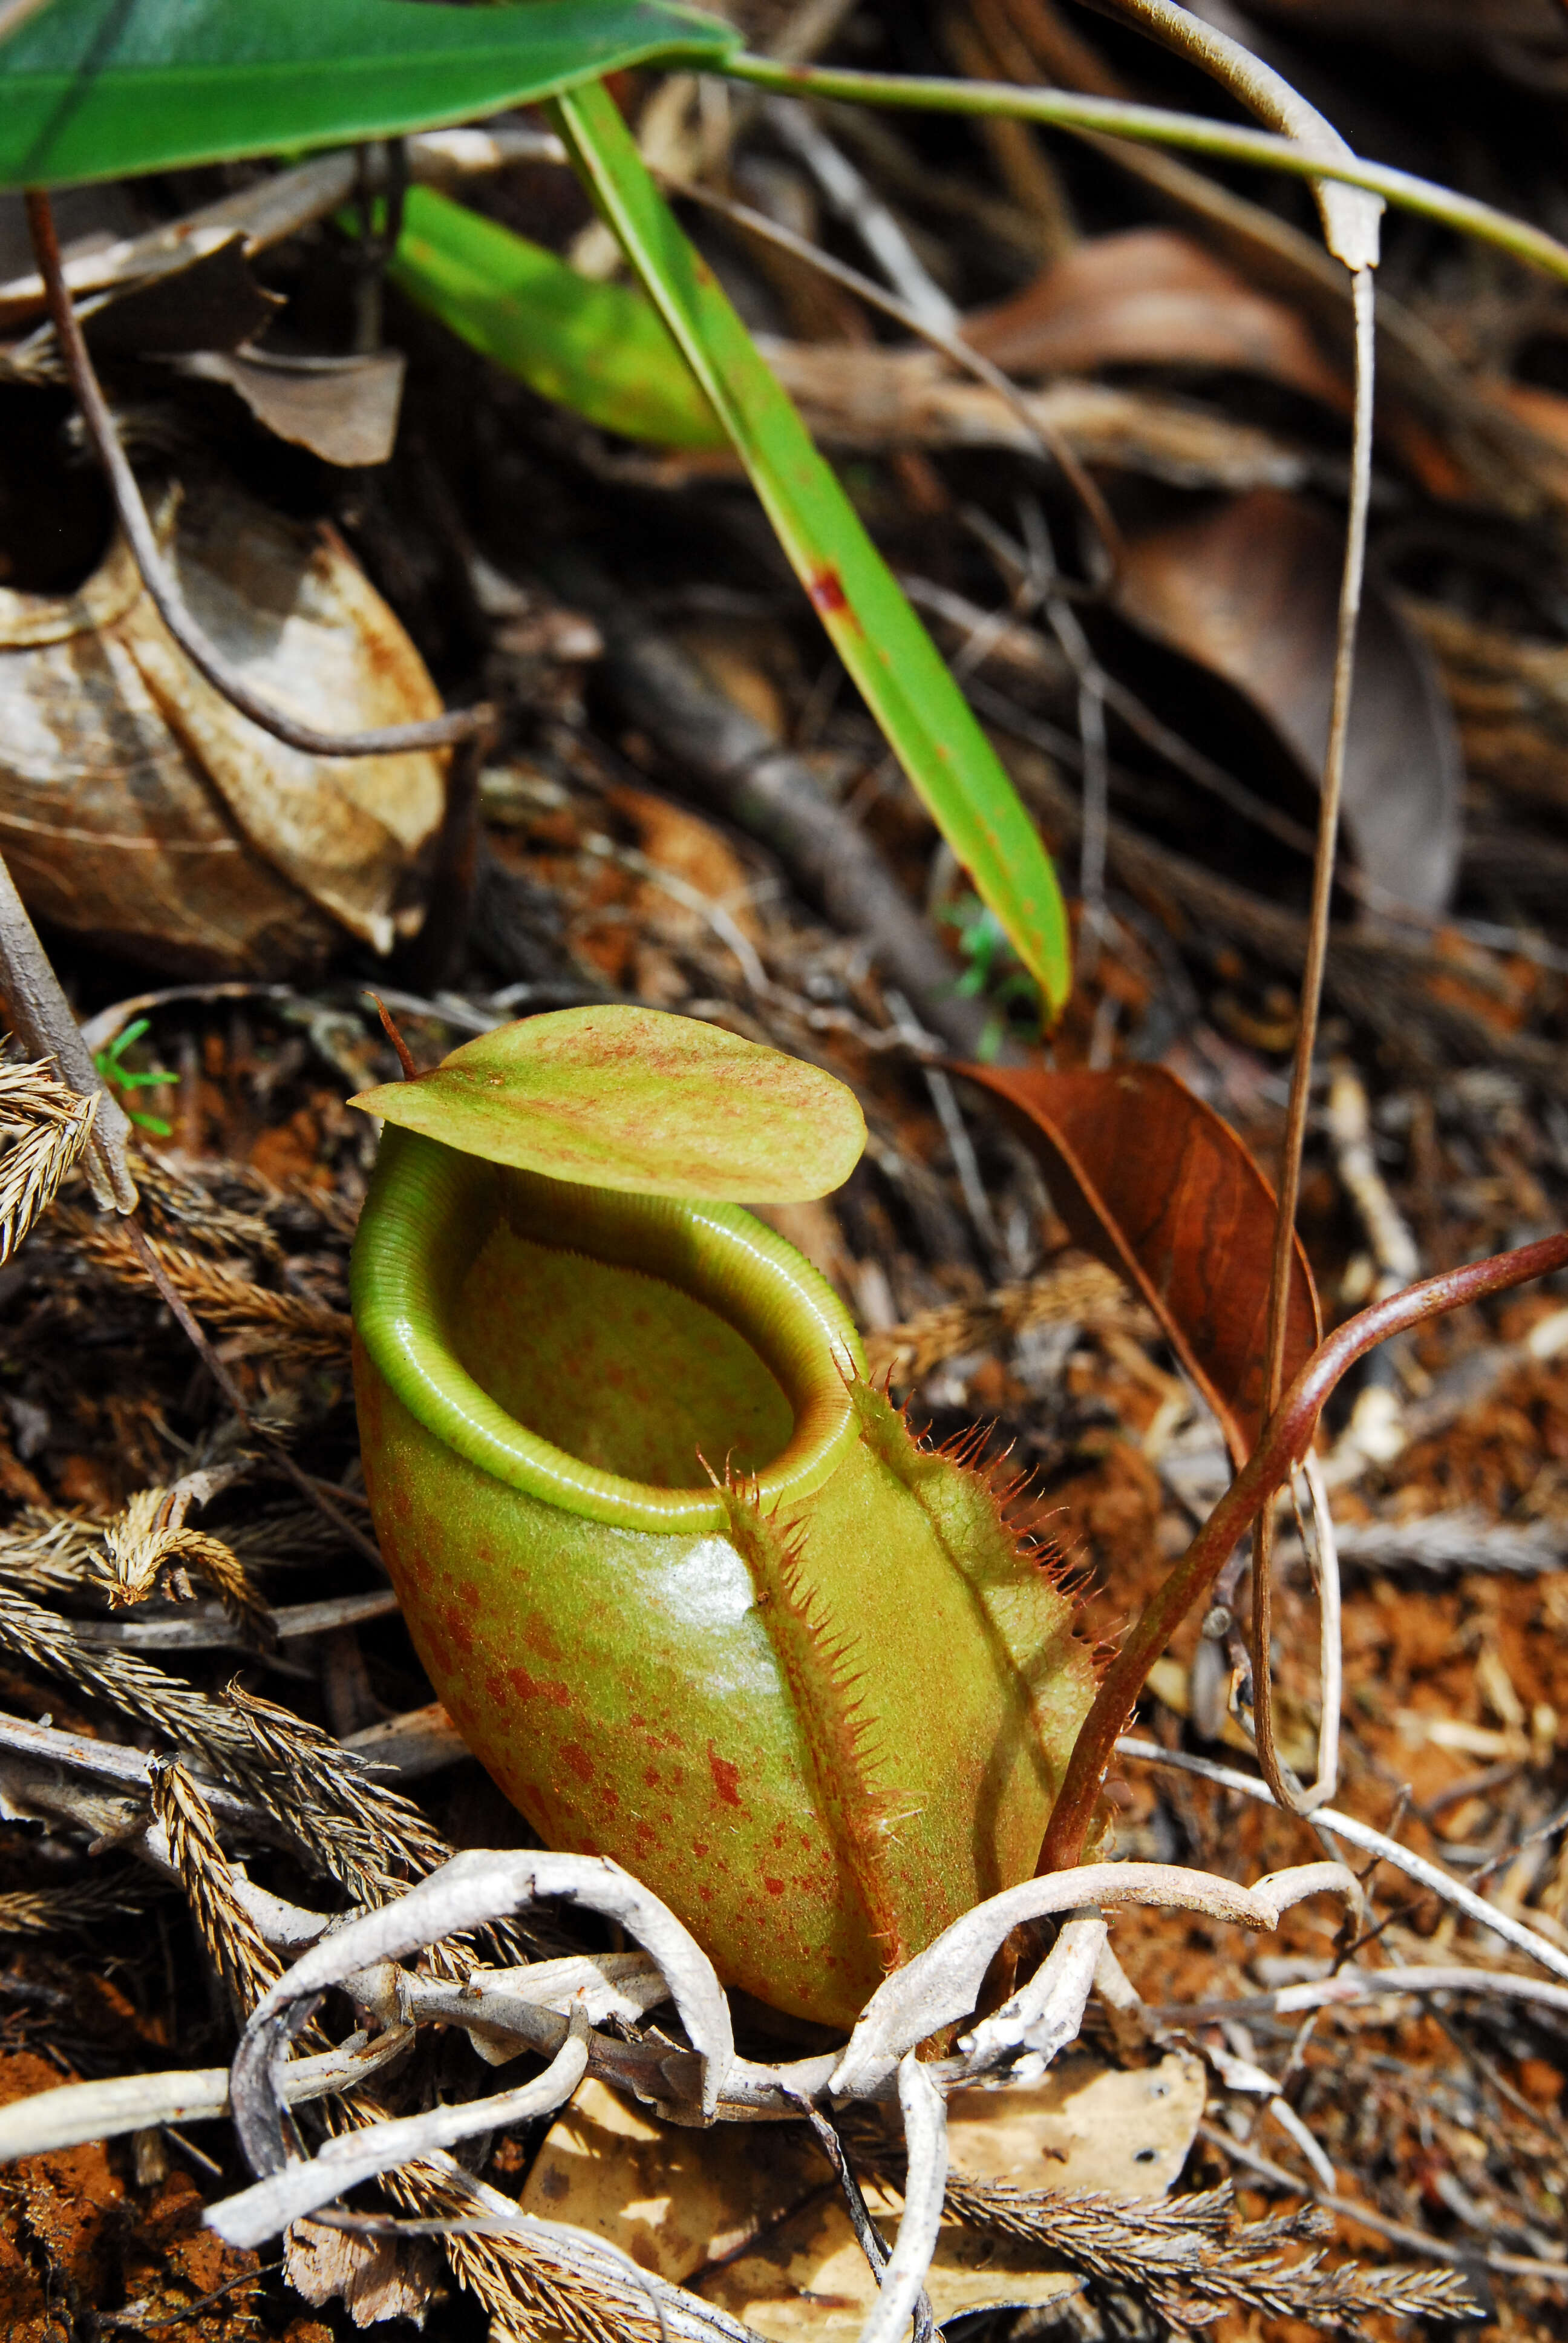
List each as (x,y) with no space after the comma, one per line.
(1074,1292)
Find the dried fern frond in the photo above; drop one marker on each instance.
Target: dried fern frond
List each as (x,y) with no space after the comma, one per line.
(368,1837)
(1189,2256)
(525,2292)
(150,1536)
(228,1301)
(243,1959)
(49,1553)
(52,1123)
(1074,1292)
(182,1208)
(47,1911)
(48,1641)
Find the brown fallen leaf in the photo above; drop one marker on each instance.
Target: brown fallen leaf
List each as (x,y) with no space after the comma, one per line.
(138,808)
(1151,297)
(1151,1181)
(378,2278)
(750,2218)
(1249,589)
(1124,2132)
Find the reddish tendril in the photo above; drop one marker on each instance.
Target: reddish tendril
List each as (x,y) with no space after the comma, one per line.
(1286,1438)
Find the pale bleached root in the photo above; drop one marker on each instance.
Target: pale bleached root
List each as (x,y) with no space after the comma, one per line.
(556,2010)
(925,2115)
(300,2189)
(76,2112)
(943,1984)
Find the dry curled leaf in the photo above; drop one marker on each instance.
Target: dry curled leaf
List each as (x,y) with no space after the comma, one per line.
(345,409)
(1151,1181)
(1151,297)
(138,808)
(1249,589)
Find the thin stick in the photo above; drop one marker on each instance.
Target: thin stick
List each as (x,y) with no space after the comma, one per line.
(1287,1436)
(1156,125)
(311,1490)
(388,740)
(1310,1003)
(1331,1655)
(872,2242)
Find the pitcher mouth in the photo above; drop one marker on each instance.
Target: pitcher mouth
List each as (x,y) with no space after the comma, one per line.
(429,1214)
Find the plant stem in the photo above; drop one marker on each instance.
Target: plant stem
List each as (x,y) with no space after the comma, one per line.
(388,740)
(1332,791)
(1287,1436)
(1158,127)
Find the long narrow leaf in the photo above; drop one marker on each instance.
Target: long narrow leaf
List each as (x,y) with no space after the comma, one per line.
(99,89)
(602,350)
(883,645)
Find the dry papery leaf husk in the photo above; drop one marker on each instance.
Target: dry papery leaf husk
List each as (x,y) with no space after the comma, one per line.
(140,810)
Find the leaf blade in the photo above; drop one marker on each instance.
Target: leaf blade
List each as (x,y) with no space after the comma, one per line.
(639,1101)
(97,89)
(601,349)
(923,715)
(1154,1183)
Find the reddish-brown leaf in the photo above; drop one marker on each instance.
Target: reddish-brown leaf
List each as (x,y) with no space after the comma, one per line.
(1151,1181)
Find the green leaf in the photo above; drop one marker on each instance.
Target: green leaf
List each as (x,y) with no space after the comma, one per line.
(637,1099)
(883,645)
(600,349)
(98,89)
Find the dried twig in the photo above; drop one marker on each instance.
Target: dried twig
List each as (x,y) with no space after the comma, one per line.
(1359,1833)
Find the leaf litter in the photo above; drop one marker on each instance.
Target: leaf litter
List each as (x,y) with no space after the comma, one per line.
(1433,2106)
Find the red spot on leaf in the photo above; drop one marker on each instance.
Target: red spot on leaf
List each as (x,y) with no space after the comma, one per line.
(826,588)
(574,1755)
(527,1687)
(726,1777)
(774,1886)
